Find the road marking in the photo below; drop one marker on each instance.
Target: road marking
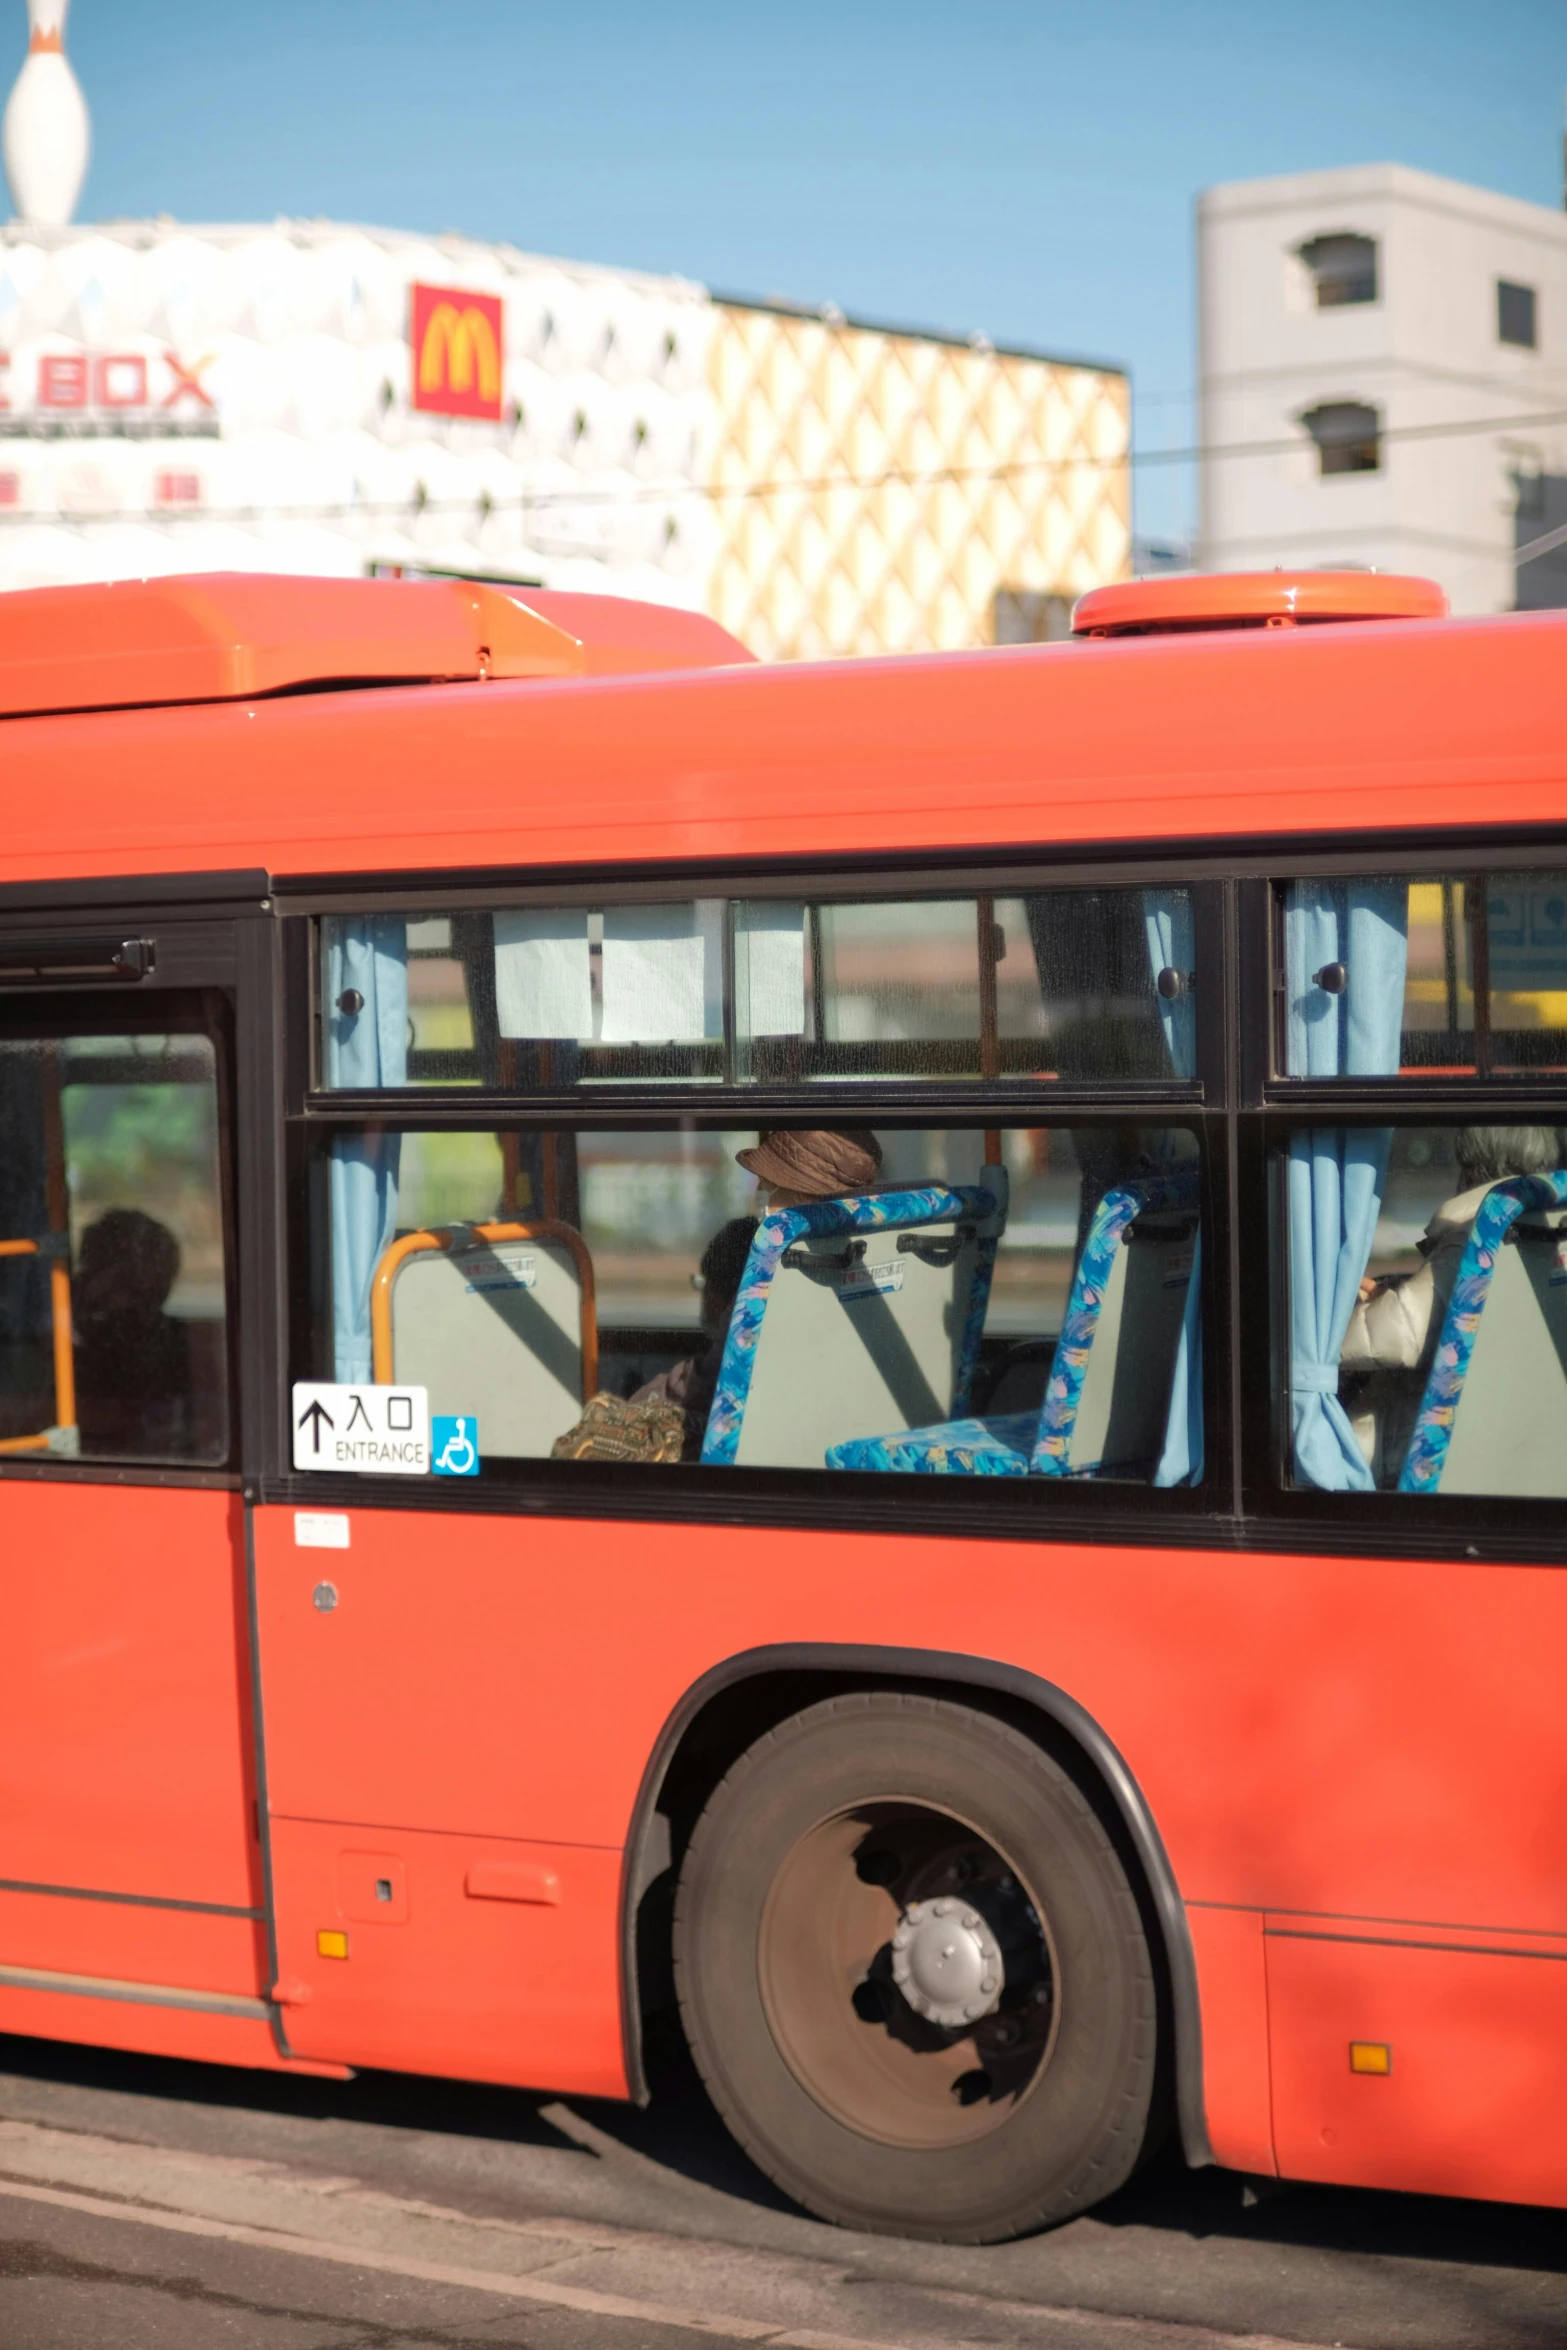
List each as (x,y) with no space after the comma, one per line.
(1174,2331)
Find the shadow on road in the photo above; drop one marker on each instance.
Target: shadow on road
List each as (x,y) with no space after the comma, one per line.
(680,2133)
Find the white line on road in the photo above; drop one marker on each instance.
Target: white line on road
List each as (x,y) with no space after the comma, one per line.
(1150,2331)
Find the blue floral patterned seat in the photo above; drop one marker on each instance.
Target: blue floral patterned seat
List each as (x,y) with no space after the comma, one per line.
(1022,1444)
(1498,1212)
(962,1252)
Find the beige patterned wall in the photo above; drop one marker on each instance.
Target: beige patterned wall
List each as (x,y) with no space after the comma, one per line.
(1013,476)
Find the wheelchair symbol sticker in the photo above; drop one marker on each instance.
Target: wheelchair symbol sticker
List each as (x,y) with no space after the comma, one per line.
(454,1446)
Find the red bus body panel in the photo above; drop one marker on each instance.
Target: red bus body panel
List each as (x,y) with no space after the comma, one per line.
(486,1680)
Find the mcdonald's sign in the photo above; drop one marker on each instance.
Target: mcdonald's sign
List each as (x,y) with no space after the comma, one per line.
(456,346)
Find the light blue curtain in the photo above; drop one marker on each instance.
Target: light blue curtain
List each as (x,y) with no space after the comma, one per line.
(1336,1173)
(1167,919)
(366,960)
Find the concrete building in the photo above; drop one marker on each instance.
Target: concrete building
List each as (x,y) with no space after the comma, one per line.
(1383,361)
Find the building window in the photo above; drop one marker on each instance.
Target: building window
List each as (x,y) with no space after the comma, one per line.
(1527,473)
(1343,269)
(1348,434)
(1515,319)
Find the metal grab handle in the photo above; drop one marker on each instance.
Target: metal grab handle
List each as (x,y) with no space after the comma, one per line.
(941,1249)
(824,1263)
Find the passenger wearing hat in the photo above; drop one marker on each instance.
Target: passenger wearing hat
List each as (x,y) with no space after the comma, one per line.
(793,1167)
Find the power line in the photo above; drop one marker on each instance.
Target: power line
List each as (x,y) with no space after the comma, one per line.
(1533,549)
(798,485)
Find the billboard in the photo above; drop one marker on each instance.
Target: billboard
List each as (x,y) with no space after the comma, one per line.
(456,343)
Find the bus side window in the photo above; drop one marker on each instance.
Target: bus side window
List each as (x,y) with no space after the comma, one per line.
(953,1300)
(1428,1309)
(112,1288)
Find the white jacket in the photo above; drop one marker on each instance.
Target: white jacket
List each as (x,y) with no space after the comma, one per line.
(1398,1327)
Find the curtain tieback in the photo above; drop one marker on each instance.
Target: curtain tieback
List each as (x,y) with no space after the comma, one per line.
(1314,1378)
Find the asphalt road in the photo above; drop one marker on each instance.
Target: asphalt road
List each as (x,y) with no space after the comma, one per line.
(156,2206)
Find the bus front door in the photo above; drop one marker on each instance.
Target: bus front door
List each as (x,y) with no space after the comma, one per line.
(129,1865)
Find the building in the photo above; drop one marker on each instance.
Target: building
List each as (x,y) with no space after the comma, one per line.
(1383,360)
(308,396)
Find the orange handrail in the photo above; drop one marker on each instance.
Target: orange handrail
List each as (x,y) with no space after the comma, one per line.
(64,1354)
(451,1236)
(59,1210)
(60,1228)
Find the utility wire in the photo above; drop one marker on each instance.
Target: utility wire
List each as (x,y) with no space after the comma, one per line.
(531,501)
(1533,549)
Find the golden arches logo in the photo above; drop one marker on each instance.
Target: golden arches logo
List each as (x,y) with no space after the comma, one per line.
(459,351)
(457,338)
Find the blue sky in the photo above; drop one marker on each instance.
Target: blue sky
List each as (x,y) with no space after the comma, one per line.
(1028,170)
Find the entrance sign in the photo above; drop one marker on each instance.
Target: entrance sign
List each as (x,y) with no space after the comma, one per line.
(367,1431)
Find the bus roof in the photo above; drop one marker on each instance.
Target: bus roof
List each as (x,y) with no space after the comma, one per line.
(1319,732)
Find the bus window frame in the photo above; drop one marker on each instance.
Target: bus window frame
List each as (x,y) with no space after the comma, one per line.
(53,1015)
(1472,859)
(1239,1106)
(843,883)
(1474,1526)
(1273,1513)
(1077,1510)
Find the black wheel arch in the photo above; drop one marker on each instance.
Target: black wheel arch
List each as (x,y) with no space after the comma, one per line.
(733,1703)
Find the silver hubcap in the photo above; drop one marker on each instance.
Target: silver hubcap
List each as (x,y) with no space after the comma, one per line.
(947,1962)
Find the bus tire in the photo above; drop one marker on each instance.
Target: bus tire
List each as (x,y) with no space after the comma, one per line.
(913,1973)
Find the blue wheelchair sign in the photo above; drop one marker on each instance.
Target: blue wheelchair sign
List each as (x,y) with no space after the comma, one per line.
(454,1446)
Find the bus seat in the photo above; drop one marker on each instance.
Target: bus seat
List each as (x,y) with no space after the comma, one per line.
(1107,1399)
(498,1321)
(854,1313)
(1493,1418)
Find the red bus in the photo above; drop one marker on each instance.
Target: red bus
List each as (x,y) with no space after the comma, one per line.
(874,1351)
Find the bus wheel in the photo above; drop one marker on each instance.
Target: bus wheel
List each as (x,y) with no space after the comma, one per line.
(913,1975)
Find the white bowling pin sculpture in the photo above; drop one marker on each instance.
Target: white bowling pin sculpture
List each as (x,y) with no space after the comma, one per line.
(45,137)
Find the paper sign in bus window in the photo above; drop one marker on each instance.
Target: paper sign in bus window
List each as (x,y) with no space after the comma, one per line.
(543,975)
(770,969)
(662,975)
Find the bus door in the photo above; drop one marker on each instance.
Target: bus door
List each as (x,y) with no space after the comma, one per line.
(128,1853)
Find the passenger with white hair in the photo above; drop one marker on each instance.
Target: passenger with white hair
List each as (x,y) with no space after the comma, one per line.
(1398,1320)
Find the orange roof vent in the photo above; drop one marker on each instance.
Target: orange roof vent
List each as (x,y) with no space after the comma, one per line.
(1254,599)
(228,635)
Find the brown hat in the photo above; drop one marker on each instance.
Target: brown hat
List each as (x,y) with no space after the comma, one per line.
(819,1161)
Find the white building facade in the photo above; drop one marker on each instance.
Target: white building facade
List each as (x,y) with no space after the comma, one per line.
(1383,360)
(307,396)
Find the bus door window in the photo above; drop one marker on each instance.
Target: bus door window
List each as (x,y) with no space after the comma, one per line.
(112,1279)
